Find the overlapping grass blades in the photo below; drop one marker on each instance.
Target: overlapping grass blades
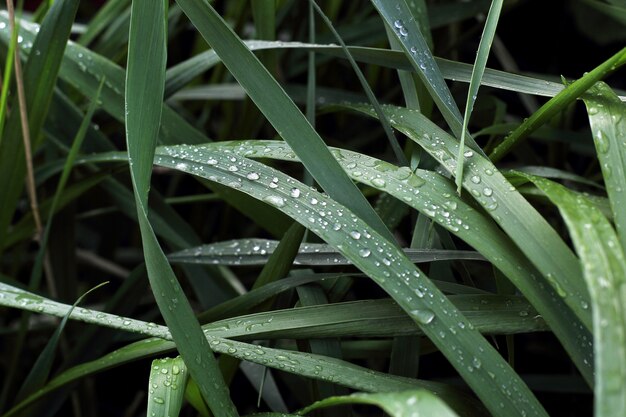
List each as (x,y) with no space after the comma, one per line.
(434,196)
(477,74)
(280,111)
(604,266)
(524,225)
(473,357)
(312,366)
(608,125)
(40,77)
(397,404)
(145,81)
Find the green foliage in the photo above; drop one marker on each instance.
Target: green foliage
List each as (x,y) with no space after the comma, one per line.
(170,139)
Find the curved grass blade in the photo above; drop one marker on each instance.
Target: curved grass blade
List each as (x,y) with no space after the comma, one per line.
(477,74)
(257,252)
(474,358)
(607,117)
(145,80)
(558,103)
(166,388)
(524,225)
(604,266)
(280,111)
(395,404)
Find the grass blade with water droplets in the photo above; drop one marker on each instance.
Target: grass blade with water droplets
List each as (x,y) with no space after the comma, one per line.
(477,74)
(145,80)
(607,117)
(604,264)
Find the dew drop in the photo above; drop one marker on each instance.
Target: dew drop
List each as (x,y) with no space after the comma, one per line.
(252,176)
(487,192)
(295,192)
(274,200)
(475,179)
(364,253)
(424,316)
(378,182)
(355,235)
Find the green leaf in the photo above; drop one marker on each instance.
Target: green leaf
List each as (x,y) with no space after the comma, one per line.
(608,126)
(280,111)
(477,74)
(604,267)
(395,404)
(145,80)
(257,252)
(166,388)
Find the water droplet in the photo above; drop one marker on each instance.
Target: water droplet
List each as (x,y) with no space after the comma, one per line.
(378,182)
(477,363)
(355,235)
(489,171)
(295,192)
(274,200)
(468,154)
(159,400)
(252,176)
(424,316)
(475,179)
(364,253)
(212,161)
(487,192)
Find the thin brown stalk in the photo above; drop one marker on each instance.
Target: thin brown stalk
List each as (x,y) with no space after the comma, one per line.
(21,98)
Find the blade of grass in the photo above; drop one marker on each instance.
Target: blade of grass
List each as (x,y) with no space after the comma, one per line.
(604,266)
(145,80)
(558,103)
(608,125)
(166,387)
(280,111)
(397,404)
(257,252)
(484,47)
